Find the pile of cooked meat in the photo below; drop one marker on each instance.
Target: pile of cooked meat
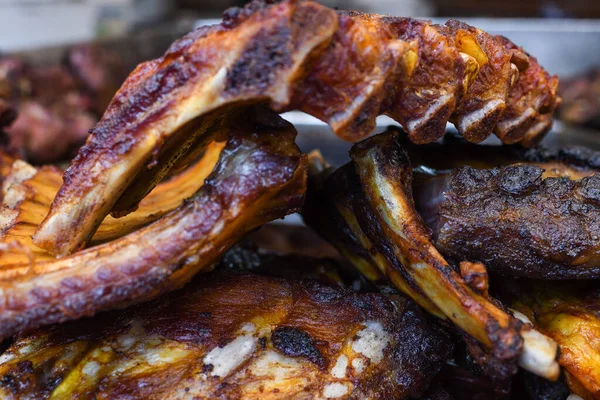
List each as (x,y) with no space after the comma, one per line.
(454,270)
(581,99)
(47,110)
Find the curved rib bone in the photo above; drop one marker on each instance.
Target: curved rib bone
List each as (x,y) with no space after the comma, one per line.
(260,176)
(344,68)
(29,194)
(380,201)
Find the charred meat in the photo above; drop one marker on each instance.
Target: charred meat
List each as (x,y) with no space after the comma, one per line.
(235,335)
(342,70)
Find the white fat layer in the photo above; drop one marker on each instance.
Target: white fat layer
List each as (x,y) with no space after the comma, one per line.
(248,328)
(359,365)
(334,390)
(341,117)
(520,316)
(574,397)
(14,196)
(91,369)
(27,349)
(162,355)
(125,342)
(7,217)
(433,108)
(509,124)
(276,366)
(536,129)
(471,119)
(339,369)
(226,359)
(372,341)
(19,173)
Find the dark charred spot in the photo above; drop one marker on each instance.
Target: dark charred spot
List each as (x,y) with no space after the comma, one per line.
(18,379)
(235,15)
(468,178)
(295,342)
(25,367)
(257,67)
(262,342)
(206,368)
(326,294)
(519,179)
(581,156)
(590,188)
(10,382)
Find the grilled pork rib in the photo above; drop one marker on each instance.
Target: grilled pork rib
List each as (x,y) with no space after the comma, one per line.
(366,210)
(260,176)
(236,336)
(342,67)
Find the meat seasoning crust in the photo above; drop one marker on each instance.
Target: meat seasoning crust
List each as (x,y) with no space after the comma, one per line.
(234,336)
(519,224)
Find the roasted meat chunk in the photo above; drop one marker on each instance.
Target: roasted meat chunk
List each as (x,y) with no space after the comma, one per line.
(528,213)
(260,176)
(345,68)
(54,106)
(519,224)
(237,336)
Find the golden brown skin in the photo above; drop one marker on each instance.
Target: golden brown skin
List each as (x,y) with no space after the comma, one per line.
(530,105)
(570,314)
(260,176)
(29,194)
(235,336)
(367,211)
(480,110)
(344,68)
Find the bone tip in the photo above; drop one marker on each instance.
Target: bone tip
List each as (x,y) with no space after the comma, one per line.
(539,355)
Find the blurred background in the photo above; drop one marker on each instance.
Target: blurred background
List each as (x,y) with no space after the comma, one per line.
(62,60)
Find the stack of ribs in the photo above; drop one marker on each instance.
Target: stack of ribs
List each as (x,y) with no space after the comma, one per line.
(458,270)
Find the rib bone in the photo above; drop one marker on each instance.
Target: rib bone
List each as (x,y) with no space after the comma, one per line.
(260,176)
(377,190)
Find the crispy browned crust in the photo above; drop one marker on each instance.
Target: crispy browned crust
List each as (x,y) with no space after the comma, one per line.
(483,104)
(570,314)
(521,212)
(260,176)
(519,224)
(374,223)
(424,105)
(531,103)
(301,339)
(29,195)
(344,68)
